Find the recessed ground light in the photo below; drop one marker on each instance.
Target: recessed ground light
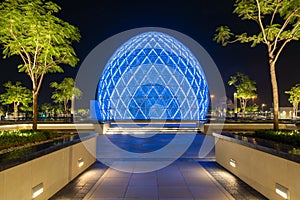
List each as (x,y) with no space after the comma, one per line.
(232,162)
(37,190)
(80,162)
(282,191)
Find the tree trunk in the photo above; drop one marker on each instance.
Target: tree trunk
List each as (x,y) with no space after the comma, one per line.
(15,110)
(243,106)
(275,95)
(295,110)
(66,107)
(35,110)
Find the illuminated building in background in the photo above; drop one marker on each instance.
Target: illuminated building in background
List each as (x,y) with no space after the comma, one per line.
(152,76)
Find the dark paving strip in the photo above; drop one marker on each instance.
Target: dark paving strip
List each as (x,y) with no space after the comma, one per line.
(235,186)
(82,184)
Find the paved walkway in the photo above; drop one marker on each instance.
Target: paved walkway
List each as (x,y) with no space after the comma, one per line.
(186,178)
(82,184)
(180,180)
(235,186)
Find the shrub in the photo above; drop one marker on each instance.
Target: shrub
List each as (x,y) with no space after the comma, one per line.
(291,137)
(295,151)
(12,138)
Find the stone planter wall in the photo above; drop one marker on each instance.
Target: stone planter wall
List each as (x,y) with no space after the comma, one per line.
(258,168)
(53,171)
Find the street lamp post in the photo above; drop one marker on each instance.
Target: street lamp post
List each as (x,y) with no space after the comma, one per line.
(253,98)
(212,96)
(235,105)
(262,107)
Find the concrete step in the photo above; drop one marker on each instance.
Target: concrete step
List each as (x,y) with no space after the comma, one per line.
(149,130)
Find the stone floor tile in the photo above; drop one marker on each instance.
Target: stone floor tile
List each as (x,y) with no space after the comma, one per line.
(185,179)
(106,199)
(142,192)
(116,173)
(209,193)
(171,181)
(109,192)
(115,181)
(174,192)
(143,181)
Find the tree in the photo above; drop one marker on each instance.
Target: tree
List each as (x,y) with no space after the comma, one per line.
(29,29)
(245,89)
(278,24)
(46,108)
(1,112)
(65,92)
(51,111)
(252,110)
(83,113)
(294,98)
(17,95)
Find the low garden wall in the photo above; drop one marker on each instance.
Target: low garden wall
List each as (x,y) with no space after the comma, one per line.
(245,126)
(48,173)
(260,167)
(83,126)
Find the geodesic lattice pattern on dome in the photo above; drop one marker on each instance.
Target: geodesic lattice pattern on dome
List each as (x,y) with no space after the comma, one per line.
(152,76)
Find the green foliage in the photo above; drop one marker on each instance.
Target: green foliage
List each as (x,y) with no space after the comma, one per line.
(13,138)
(291,137)
(294,94)
(16,93)
(30,29)
(245,88)
(83,111)
(46,107)
(1,111)
(252,109)
(277,20)
(65,91)
(223,35)
(51,110)
(278,23)
(295,151)
(294,98)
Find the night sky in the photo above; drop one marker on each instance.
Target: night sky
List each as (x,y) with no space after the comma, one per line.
(99,20)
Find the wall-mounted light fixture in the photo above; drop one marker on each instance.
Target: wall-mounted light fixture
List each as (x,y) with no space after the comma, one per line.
(282,191)
(80,162)
(37,190)
(232,162)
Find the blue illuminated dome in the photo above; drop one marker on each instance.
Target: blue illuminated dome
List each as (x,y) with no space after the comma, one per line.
(152,76)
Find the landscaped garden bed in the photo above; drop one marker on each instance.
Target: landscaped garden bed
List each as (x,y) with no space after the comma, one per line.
(19,146)
(15,139)
(283,140)
(290,137)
